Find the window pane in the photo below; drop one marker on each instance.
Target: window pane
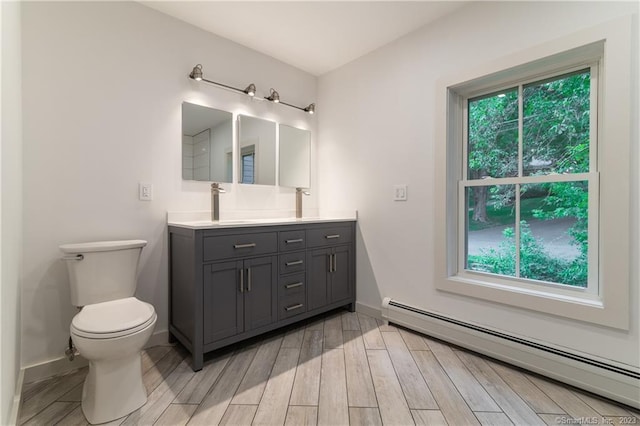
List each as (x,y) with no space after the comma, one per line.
(493,135)
(556,125)
(490,229)
(248,168)
(553,232)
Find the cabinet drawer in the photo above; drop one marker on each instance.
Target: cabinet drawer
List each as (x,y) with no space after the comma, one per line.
(292,240)
(329,236)
(292,262)
(291,284)
(226,246)
(292,305)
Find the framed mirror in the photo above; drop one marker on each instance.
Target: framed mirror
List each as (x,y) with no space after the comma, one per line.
(256,151)
(207,144)
(295,157)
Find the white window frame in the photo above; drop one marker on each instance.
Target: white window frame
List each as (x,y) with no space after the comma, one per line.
(589,292)
(608,45)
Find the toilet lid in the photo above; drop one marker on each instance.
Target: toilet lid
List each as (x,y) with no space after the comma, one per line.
(113,318)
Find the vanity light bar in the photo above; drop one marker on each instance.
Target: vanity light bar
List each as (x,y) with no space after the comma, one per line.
(196,74)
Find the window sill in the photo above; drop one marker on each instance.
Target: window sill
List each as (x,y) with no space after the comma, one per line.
(580,306)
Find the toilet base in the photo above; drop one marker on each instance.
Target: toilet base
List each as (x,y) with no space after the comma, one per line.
(113,388)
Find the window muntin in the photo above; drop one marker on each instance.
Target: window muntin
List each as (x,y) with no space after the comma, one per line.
(528,181)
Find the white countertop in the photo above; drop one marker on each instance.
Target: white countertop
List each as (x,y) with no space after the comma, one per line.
(185,221)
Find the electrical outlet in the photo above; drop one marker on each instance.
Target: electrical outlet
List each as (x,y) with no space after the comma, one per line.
(145,191)
(400,193)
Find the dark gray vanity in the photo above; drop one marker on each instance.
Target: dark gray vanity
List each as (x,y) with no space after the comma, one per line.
(229,283)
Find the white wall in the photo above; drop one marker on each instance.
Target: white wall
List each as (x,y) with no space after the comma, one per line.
(11,208)
(377,129)
(102,94)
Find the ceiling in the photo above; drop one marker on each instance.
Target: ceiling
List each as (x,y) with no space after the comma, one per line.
(315,36)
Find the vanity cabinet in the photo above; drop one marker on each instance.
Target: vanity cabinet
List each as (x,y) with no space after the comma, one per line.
(231,283)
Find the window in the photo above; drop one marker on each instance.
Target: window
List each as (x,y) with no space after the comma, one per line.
(248,161)
(528,180)
(538,144)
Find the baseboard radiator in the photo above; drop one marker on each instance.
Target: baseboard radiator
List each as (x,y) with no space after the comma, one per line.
(619,382)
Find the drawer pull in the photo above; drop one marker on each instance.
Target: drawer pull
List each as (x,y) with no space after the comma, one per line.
(297,240)
(331,237)
(294,285)
(293,307)
(241,246)
(293,263)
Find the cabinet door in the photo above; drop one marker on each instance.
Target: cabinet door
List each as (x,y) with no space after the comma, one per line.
(260,293)
(318,262)
(340,277)
(223,301)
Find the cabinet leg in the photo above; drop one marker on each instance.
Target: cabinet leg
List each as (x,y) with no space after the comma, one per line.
(197,362)
(172,339)
(351,307)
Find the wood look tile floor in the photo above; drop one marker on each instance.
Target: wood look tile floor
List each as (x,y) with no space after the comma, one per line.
(338,369)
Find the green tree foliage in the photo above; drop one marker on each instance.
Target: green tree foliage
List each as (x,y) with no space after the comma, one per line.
(555,126)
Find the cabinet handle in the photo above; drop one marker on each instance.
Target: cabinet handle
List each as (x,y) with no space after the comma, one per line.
(331,237)
(330,258)
(294,285)
(241,246)
(248,279)
(335,263)
(293,307)
(293,263)
(241,280)
(297,240)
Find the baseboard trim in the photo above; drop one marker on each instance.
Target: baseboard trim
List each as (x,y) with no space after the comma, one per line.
(369,310)
(17,398)
(61,365)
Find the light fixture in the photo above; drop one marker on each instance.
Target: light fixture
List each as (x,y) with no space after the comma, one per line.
(196,74)
(273,96)
(311,109)
(250,90)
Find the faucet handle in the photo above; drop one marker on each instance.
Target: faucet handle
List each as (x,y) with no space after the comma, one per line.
(215,186)
(302,190)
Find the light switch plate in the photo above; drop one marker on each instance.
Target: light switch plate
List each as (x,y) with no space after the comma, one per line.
(399,192)
(145,191)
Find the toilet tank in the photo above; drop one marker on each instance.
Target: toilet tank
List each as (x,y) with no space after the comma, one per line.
(102,271)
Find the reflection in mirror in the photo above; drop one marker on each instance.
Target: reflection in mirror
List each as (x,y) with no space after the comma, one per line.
(257,159)
(295,157)
(207,144)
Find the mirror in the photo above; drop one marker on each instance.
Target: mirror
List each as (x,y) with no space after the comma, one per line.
(257,151)
(295,157)
(207,144)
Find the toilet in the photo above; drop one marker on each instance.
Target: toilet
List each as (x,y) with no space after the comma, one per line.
(112,326)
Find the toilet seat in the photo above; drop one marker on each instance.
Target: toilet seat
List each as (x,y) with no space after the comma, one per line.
(115,318)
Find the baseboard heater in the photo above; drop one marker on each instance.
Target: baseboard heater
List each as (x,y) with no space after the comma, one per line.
(616,381)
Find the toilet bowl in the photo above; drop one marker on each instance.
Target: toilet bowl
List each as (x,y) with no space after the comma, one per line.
(112,326)
(110,335)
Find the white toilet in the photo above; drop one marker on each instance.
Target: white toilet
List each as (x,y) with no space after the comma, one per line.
(112,327)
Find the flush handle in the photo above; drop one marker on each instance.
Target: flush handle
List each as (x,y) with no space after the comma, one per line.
(77,257)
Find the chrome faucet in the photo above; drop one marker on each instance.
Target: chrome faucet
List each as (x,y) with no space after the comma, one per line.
(299,192)
(215,201)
